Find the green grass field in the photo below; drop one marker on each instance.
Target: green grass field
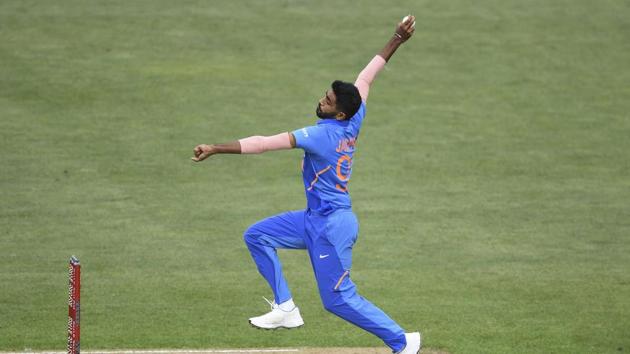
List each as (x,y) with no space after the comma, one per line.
(492,178)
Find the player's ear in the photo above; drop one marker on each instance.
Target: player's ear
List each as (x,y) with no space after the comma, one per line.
(340,116)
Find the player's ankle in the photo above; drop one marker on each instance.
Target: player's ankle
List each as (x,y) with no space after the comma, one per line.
(287,306)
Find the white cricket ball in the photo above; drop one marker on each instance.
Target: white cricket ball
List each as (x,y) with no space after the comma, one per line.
(413,25)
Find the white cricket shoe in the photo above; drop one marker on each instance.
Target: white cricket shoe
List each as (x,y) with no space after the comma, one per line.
(414,342)
(278,318)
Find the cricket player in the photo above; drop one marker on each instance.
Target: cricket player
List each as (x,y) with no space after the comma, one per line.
(327,228)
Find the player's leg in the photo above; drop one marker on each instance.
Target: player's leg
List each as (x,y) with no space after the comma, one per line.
(285,230)
(330,241)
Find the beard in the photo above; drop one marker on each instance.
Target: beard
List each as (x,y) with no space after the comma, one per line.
(323,115)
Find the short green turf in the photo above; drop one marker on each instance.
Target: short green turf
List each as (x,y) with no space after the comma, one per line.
(491,180)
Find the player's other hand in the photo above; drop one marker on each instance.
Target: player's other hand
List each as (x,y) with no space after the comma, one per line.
(202,152)
(405,29)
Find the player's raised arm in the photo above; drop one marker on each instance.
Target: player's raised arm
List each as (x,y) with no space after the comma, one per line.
(251,145)
(403,32)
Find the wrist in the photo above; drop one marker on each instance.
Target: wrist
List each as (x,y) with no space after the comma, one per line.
(212,149)
(397,38)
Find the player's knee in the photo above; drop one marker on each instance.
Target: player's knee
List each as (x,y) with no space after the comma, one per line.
(332,302)
(251,235)
(329,306)
(335,297)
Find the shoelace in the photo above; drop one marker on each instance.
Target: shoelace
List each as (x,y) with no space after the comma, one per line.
(271,303)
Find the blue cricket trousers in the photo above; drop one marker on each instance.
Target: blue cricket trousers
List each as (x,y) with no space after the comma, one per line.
(328,240)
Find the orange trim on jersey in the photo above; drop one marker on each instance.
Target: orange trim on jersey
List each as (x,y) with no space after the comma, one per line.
(317,177)
(341,188)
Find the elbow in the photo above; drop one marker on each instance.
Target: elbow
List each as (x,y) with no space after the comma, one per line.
(363,80)
(252,145)
(259,144)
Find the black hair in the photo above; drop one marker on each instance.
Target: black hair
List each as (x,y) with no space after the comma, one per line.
(348,97)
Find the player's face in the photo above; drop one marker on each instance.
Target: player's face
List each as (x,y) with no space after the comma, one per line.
(327,106)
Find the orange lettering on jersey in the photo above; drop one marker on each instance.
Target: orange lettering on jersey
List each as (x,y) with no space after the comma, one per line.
(343,158)
(346,145)
(340,175)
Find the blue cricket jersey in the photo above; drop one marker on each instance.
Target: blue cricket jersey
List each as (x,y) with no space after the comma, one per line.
(327,165)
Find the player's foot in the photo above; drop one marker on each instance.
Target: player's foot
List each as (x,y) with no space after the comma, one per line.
(414,343)
(278,318)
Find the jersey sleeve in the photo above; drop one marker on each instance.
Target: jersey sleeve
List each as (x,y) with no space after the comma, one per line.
(357,119)
(311,139)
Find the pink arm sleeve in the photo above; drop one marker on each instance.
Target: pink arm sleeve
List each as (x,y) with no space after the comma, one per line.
(258,144)
(367,75)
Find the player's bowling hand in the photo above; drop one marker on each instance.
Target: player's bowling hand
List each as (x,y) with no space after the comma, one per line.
(406,27)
